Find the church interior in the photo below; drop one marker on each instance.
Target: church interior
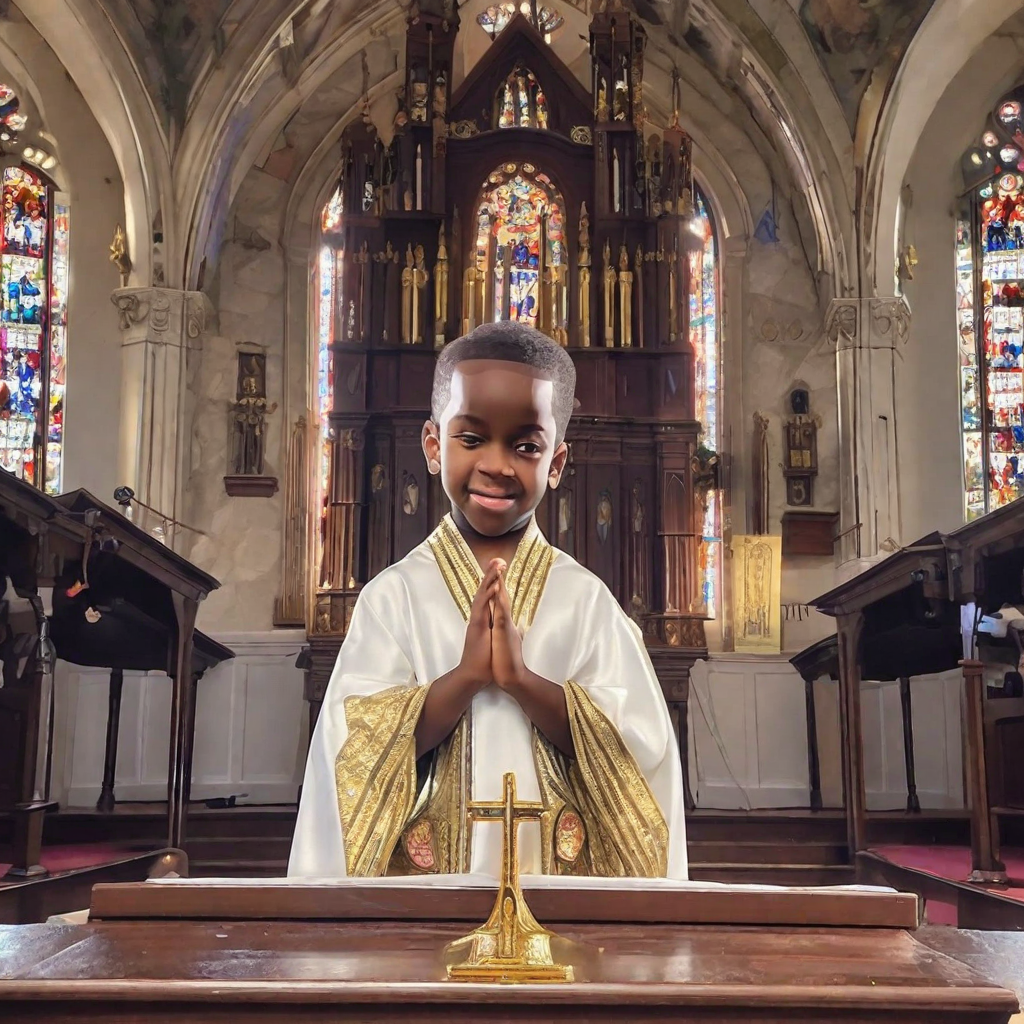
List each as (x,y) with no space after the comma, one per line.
(777,238)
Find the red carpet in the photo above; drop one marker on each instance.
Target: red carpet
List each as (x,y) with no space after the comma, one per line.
(954,864)
(83,855)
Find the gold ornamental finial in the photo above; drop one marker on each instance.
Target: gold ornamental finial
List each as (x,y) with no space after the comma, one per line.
(511,946)
(119,255)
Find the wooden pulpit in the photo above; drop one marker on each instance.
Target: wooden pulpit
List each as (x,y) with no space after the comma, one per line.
(917,613)
(121,599)
(372,950)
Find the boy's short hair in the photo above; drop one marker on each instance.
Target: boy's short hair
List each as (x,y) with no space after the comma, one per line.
(513,342)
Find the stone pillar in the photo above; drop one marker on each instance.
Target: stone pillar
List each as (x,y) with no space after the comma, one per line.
(867,334)
(162,332)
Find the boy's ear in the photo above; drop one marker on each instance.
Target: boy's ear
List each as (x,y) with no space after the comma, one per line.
(558,461)
(430,440)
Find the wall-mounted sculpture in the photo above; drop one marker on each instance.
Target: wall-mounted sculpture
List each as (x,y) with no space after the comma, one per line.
(249,430)
(801,466)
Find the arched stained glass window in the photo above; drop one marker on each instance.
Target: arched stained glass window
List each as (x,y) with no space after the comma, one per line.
(520,211)
(704,337)
(33,319)
(990,312)
(520,102)
(495,19)
(328,269)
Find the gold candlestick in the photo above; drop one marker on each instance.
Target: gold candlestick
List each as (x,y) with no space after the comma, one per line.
(511,946)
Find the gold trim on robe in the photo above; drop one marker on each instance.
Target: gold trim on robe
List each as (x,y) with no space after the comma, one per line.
(601,817)
(375,774)
(627,833)
(527,572)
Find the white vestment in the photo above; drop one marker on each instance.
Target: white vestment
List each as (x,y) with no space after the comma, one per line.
(408,629)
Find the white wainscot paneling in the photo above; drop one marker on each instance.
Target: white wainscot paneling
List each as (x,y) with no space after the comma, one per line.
(748,733)
(748,737)
(250,738)
(938,755)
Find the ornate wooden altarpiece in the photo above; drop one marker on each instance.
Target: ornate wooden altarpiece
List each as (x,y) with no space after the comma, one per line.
(429,248)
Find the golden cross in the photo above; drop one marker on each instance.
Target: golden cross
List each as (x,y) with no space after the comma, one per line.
(511,812)
(511,946)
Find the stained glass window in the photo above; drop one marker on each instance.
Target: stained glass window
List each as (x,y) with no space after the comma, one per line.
(989,275)
(495,19)
(327,271)
(511,218)
(704,339)
(12,120)
(33,320)
(520,102)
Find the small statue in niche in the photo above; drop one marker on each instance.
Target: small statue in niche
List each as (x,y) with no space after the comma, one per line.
(418,96)
(440,94)
(638,508)
(604,515)
(602,102)
(249,414)
(378,478)
(625,299)
(801,465)
(410,495)
(704,469)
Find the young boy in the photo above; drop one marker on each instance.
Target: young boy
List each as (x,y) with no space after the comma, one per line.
(486,650)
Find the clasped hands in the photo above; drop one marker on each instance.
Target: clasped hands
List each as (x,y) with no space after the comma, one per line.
(493,650)
(493,653)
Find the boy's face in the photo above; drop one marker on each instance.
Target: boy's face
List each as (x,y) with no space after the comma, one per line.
(495,445)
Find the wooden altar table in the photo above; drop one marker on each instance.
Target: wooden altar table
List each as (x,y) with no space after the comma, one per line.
(374,953)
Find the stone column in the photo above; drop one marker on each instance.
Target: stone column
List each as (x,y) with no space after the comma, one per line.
(162,332)
(867,334)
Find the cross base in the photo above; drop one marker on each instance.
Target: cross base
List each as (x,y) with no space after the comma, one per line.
(511,947)
(498,972)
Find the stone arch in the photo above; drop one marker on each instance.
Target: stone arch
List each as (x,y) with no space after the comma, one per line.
(951,33)
(85,44)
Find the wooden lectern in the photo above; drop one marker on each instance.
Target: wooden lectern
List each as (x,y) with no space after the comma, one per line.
(372,950)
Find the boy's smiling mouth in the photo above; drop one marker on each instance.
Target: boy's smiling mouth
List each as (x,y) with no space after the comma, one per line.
(493,502)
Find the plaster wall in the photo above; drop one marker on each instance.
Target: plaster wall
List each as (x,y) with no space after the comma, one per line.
(927,390)
(255,295)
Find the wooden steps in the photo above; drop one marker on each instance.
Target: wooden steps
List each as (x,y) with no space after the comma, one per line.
(784,847)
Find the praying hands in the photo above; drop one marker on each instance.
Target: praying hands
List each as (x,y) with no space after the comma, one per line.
(493,654)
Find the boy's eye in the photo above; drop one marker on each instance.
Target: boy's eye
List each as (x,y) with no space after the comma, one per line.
(528,448)
(468,440)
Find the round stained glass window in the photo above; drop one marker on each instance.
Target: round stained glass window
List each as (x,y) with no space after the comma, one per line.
(990,139)
(11,120)
(496,17)
(1009,111)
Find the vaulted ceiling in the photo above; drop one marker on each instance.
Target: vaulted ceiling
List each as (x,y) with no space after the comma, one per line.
(174,41)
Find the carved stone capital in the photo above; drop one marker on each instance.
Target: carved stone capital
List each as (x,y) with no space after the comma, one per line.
(890,319)
(163,316)
(842,322)
(878,322)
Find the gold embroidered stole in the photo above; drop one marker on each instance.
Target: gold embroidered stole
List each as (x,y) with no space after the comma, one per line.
(438,836)
(601,817)
(527,572)
(376,770)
